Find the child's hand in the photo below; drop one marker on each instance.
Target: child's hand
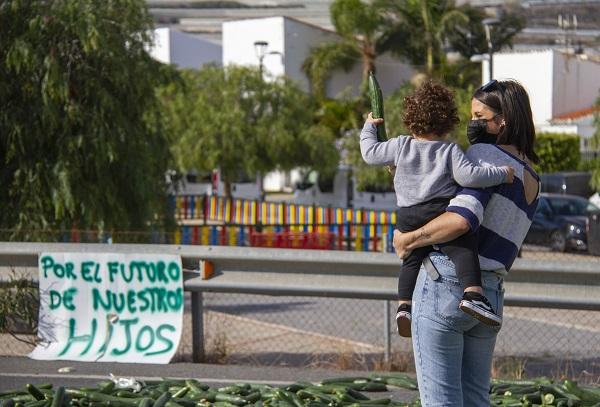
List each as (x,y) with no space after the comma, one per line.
(510,177)
(370,119)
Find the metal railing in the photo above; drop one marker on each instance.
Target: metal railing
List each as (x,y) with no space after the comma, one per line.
(562,285)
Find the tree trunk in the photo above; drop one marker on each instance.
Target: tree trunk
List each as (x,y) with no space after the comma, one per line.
(368,57)
(227,186)
(425,15)
(429,58)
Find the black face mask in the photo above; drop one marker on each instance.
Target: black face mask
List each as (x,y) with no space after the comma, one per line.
(477,132)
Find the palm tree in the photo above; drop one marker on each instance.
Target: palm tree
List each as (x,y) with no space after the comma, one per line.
(422,28)
(412,29)
(362,30)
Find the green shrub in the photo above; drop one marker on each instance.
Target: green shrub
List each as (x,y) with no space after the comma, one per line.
(19,302)
(557,152)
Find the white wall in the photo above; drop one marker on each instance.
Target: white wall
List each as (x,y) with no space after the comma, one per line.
(188,51)
(391,74)
(535,71)
(161,48)
(299,40)
(278,181)
(184,50)
(576,83)
(239,38)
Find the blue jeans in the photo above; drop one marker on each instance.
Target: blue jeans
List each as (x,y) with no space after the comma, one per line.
(453,351)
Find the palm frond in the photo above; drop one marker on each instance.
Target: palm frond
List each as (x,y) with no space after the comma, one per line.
(325,59)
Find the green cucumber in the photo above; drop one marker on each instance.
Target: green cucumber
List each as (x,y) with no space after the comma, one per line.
(128,394)
(59,397)
(375,402)
(120,401)
(377,105)
(230,389)
(294,387)
(262,387)
(23,398)
(533,398)
(35,392)
(253,397)
(162,400)
(223,404)
(203,396)
(337,380)
(185,402)
(357,395)
(405,383)
(107,388)
(181,392)
(231,398)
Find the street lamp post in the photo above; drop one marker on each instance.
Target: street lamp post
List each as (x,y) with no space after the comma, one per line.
(260,47)
(487,24)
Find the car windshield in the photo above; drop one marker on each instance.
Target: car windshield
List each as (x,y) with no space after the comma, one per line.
(572,207)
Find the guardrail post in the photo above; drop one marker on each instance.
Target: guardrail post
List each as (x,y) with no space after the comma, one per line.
(386,333)
(197,327)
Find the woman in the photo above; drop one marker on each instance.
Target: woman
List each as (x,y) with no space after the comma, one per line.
(453,351)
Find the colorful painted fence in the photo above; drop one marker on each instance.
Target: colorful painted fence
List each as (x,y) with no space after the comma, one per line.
(249,212)
(348,236)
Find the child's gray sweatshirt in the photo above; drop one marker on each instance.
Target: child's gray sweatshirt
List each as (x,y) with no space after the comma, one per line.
(426,169)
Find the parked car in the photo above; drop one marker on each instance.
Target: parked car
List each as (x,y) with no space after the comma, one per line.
(561,222)
(568,182)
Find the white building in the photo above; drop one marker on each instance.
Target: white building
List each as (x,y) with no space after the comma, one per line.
(184,50)
(563,88)
(289,44)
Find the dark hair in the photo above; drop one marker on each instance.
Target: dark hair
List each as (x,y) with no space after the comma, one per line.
(509,99)
(430,109)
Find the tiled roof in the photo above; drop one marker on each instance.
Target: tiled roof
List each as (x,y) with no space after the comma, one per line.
(577,114)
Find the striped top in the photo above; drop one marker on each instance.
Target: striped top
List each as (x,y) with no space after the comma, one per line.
(500,214)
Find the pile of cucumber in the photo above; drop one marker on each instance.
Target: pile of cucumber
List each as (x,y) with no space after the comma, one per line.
(343,392)
(543,392)
(336,392)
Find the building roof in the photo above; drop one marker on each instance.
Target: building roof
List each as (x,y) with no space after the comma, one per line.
(578,114)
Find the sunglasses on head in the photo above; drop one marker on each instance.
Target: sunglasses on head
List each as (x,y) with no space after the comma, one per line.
(491,85)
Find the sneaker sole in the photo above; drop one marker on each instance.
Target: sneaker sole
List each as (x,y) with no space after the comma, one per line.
(403,321)
(484,316)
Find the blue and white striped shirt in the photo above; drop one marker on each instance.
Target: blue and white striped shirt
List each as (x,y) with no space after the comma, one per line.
(500,214)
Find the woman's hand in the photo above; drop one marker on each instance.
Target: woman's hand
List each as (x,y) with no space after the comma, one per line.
(401,242)
(371,120)
(510,174)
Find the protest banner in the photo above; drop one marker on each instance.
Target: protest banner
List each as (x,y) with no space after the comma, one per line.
(109,307)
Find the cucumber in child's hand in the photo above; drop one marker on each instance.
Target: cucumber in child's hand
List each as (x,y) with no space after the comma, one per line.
(377,105)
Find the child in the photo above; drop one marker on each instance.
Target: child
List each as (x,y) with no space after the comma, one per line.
(428,173)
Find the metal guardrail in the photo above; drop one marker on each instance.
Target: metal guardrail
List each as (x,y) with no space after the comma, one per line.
(357,275)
